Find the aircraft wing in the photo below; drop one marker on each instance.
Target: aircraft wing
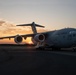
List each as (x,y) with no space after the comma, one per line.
(7,37)
(26,35)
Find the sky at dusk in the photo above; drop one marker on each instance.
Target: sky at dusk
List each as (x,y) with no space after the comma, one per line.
(53,14)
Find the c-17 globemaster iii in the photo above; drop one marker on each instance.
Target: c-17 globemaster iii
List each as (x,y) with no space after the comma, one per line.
(56,39)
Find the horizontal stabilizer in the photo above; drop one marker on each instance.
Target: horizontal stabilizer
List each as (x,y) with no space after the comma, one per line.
(32,24)
(24,25)
(39,25)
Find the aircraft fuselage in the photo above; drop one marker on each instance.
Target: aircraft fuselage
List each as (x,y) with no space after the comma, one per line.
(62,38)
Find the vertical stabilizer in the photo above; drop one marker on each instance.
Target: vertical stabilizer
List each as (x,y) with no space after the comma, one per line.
(33,28)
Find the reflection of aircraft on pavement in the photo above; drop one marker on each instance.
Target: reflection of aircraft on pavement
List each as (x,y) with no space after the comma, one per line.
(55,39)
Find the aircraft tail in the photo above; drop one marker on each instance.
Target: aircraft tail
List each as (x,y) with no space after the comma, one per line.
(33,26)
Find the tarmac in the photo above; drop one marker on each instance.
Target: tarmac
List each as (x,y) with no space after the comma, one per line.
(28,61)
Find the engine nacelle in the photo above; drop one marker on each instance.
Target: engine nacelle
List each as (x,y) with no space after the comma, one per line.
(39,38)
(18,39)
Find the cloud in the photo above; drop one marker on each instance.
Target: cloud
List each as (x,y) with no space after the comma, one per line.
(8,29)
(6,24)
(1,23)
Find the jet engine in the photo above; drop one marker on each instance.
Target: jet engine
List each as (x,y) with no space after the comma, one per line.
(18,39)
(38,38)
